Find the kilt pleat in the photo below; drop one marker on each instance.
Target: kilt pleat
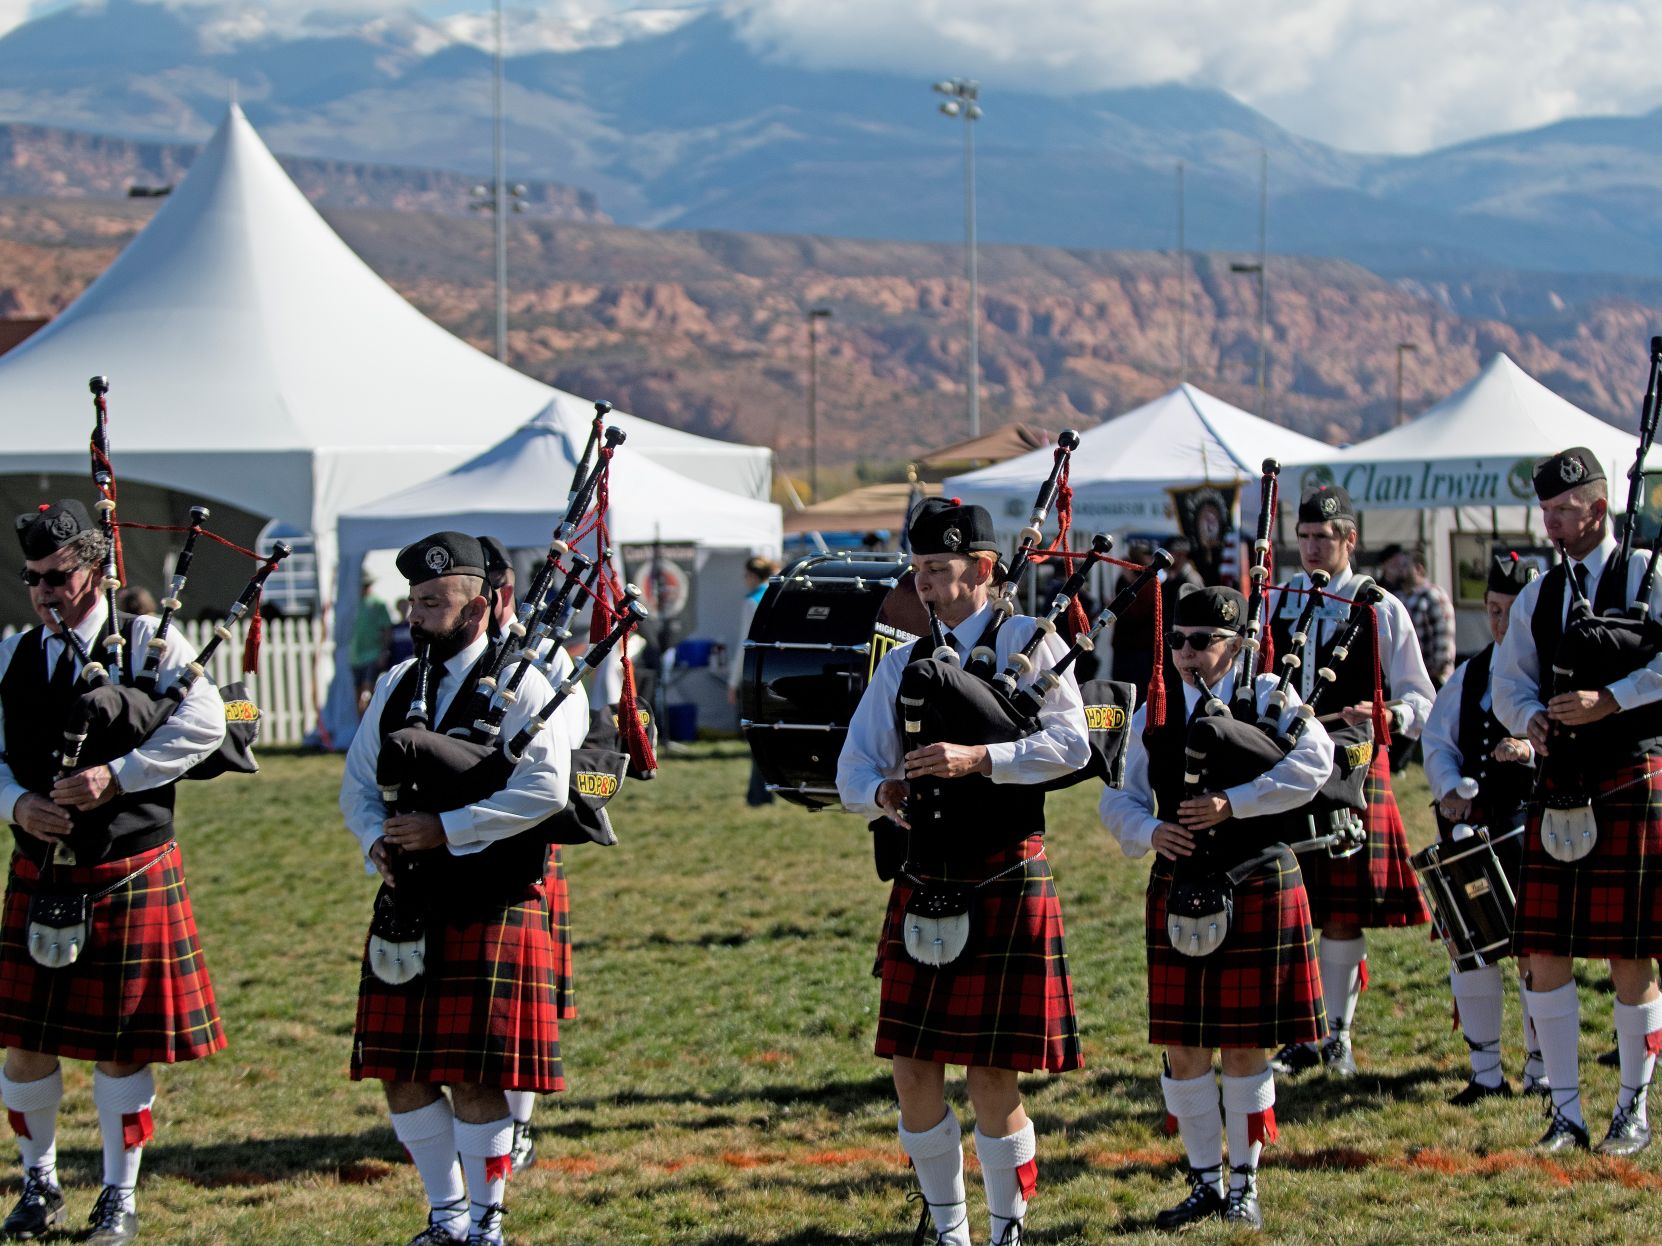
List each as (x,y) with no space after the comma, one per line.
(1007,1001)
(1608,904)
(1261,988)
(138,994)
(484,1013)
(559,923)
(1376,886)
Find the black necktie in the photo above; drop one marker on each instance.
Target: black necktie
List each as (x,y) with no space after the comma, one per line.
(63,672)
(1581,577)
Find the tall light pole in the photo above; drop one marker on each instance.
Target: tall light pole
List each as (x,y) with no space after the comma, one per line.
(815,315)
(495,197)
(1262,269)
(963,93)
(1402,349)
(1182,286)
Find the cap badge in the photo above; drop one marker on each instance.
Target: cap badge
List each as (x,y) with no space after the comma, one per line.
(438,558)
(63,525)
(952,538)
(1573,470)
(1329,504)
(1228,611)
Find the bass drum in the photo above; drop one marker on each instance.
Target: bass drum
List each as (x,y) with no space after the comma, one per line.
(817,635)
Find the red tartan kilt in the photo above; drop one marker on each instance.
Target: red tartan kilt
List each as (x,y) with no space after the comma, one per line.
(484,1013)
(1007,1001)
(559,923)
(139,992)
(1376,886)
(1262,988)
(1608,904)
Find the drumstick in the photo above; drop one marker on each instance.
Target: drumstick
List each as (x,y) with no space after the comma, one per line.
(1337,715)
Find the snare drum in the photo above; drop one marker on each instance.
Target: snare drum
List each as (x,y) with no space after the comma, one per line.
(817,636)
(1468,886)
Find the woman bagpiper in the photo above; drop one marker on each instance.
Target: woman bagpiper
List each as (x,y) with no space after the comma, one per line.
(1259,988)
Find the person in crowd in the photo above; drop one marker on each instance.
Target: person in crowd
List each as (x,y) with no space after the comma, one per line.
(371,639)
(1375,886)
(1133,634)
(400,645)
(481,1016)
(991,991)
(1465,744)
(135,600)
(1600,900)
(103,834)
(757,572)
(1259,988)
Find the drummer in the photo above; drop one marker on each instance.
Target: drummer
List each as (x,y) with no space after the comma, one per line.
(1465,741)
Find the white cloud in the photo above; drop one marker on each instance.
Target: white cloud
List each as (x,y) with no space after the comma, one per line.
(1397,75)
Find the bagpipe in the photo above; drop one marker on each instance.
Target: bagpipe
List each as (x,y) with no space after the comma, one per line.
(1596,650)
(423,770)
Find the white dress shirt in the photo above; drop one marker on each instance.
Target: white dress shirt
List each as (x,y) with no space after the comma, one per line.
(1444,765)
(873,752)
(193,731)
(1128,812)
(1517,682)
(536,789)
(1400,661)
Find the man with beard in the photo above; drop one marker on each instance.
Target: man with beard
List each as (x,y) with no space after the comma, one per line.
(138,993)
(481,1018)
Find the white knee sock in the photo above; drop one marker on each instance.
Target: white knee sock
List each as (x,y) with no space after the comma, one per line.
(429,1135)
(486,1165)
(520,1104)
(1638,1039)
(1340,962)
(1557,1017)
(1535,1069)
(123,1105)
(1194,1102)
(1010,1172)
(33,1109)
(937,1157)
(1249,1114)
(1479,996)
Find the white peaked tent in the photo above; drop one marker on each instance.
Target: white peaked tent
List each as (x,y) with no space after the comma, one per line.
(516,491)
(1477,447)
(1122,469)
(256,360)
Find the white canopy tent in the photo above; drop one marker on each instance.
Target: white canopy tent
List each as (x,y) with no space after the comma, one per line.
(255,359)
(1122,469)
(515,491)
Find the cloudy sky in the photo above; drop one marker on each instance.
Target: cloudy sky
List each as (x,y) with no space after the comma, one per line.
(1371,75)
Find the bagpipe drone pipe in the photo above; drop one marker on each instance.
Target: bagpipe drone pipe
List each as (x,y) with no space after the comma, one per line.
(1602,642)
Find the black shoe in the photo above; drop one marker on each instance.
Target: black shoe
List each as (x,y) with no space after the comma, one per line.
(523,1153)
(109,1224)
(1475,1092)
(1296,1058)
(1562,1135)
(38,1210)
(1628,1135)
(1336,1055)
(437,1235)
(488,1232)
(1203,1202)
(1240,1204)
(1611,1059)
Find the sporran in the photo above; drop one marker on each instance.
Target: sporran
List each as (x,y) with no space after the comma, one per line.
(1198,913)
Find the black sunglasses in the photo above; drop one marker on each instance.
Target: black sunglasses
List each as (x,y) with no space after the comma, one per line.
(52,579)
(1198,641)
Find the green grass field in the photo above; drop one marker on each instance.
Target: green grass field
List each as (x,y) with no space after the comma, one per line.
(722,1086)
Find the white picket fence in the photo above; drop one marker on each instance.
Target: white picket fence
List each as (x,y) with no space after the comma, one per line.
(289,687)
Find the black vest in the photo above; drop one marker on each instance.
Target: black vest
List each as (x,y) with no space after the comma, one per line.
(1217,848)
(959,822)
(1623,737)
(131,823)
(1503,787)
(1355,677)
(499,873)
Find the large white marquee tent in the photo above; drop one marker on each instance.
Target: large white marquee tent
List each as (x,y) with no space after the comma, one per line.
(516,491)
(255,359)
(1122,469)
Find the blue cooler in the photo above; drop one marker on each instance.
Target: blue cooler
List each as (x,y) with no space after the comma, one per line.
(681,722)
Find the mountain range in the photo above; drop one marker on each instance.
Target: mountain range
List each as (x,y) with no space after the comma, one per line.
(676,120)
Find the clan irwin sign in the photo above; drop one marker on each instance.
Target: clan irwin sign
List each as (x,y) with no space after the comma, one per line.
(1408,485)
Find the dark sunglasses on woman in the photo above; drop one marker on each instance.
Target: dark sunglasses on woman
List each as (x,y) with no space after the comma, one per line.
(1199,641)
